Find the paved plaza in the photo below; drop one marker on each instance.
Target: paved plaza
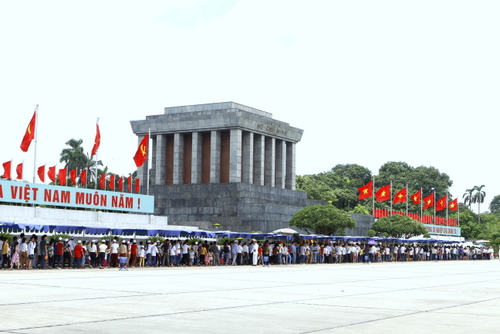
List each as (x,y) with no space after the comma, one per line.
(412,297)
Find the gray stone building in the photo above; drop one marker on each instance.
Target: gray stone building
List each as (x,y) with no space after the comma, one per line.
(222,163)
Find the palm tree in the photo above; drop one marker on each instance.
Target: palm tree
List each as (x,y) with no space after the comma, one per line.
(74,157)
(468,196)
(479,198)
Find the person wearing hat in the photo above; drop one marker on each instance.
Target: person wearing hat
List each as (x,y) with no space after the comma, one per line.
(77,255)
(133,254)
(123,255)
(102,253)
(254,251)
(114,254)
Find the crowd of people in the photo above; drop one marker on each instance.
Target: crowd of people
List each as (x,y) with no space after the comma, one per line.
(41,253)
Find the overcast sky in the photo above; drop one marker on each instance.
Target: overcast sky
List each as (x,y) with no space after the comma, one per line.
(368,81)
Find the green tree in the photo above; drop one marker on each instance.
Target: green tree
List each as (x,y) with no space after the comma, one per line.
(357,175)
(495,204)
(322,219)
(478,198)
(73,156)
(360,209)
(469,227)
(315,187)
(468,196)
(398,226)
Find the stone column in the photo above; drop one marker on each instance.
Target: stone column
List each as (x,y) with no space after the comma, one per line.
(247,164)
(215,156)
(280,163)
(153,148)
(196,156)
(258,159)
(235,155)
(159,163)
(270,162)
(178,158)
(290,166)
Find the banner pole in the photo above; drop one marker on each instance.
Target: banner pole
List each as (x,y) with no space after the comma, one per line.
(36,139)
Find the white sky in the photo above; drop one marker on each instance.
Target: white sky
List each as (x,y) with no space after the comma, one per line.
(368,81)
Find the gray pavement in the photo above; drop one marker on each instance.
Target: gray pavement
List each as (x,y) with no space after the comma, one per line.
(414,297)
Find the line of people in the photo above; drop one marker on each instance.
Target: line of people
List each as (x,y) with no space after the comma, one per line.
(22,253)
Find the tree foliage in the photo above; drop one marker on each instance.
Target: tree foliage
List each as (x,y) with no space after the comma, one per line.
(322,219)
(495,204)
(398,226)
(339,186)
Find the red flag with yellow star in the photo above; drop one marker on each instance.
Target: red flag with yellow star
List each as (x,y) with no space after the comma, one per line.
(142,151)
(453,205)
(429,201)
(366,191)
(416,198)
(441,203)
(400,196)
(384,193)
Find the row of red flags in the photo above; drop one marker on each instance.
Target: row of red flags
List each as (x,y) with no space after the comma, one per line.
(139,158)
(62,176)
(384,194)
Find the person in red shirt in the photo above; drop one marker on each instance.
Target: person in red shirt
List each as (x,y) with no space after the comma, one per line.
(133,254)
(59,253)
(78,251)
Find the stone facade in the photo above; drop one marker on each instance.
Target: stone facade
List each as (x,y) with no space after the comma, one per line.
(222,163)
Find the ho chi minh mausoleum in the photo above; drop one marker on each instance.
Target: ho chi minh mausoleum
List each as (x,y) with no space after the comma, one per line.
(222,163)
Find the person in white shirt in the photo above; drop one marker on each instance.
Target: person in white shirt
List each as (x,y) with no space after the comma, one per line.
(254,250)
(114,254)
(31,253)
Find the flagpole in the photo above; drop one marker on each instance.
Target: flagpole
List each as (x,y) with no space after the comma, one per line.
(391,197)
(96,158)
(458,215)
(447,208)
(373,195)
(434,192)
(36,136)
(421,205)
(406,199)
(147,165)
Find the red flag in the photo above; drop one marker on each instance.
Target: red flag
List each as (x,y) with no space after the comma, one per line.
(41,173)
(72,176)
(142,151)
(400,196)
(112,182)
(429,201)
(384,193)
(416,198)
(102,181)
(19,171)
(441,203)
(120,183)
(83,177)
(52,173)
(453,205)
(137,185)
(29,135)
(62,176)
(129,183)
(366,191)
(97,141)
(7,166)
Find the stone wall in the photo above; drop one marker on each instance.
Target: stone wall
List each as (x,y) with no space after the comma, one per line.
(235,206)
